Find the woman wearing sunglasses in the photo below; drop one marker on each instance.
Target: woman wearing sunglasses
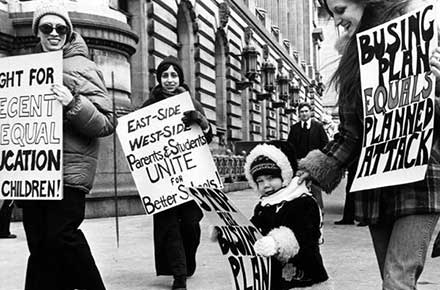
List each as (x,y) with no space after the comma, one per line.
(60,257)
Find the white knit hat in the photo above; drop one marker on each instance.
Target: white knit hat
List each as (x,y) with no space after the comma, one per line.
(53,8)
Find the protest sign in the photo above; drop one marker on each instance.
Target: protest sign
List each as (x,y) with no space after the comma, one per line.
(31,127)
(236,239)
(398,90)
(163,155)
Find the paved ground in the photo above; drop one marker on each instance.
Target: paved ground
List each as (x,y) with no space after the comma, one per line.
(347,252)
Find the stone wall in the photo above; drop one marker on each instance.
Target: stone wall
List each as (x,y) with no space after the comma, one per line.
(128,39)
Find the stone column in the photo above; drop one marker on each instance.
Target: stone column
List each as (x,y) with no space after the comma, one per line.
(307,28)
(111,43)
(139,60)
(300,28)
(274,12)
(292,20)
(282,15)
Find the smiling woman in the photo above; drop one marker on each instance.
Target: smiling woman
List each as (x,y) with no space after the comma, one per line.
(87,115)
(346,13)
(176,230)
(401,218)
(52,32)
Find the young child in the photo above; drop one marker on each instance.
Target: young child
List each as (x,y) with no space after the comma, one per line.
(288,217)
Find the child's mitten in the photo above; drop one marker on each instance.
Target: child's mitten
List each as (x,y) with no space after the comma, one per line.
(286,241)
(266,246)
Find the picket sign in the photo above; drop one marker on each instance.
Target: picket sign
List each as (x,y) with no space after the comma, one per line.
(236,237)
(398,90)
(31,127)
(163,155)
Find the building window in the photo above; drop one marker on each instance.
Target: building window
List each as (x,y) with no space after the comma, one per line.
(120,5)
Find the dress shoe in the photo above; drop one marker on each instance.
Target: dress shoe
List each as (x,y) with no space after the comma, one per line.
(362,224)
(344,222)
(179,283)
(9,236)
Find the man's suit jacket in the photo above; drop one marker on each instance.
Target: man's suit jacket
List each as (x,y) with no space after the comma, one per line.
(317,138)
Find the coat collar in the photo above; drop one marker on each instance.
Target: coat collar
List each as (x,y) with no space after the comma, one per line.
(288,193)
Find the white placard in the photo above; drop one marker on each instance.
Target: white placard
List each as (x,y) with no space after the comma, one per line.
(31,127)
(163,155)
(236,238)
(398,90)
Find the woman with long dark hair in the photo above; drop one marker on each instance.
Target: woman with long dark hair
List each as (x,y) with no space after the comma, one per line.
(401,218)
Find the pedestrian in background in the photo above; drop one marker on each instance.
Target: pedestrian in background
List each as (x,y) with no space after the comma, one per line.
(177,230)
(348,211)
(60,257)
(401,218)
(288,217)
(305,136)
(5,219)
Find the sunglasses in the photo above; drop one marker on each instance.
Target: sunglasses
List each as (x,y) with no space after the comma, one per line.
(47,29)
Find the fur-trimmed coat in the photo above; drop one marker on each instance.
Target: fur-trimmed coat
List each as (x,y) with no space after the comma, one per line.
(290,221)
(301,217)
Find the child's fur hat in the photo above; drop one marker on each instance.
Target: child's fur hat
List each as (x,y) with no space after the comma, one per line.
(276,158)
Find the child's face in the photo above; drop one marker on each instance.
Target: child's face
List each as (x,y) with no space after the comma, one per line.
(268,184)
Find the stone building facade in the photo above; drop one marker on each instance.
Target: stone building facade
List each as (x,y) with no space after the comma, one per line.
(128,39)
(210,37)
(111,42)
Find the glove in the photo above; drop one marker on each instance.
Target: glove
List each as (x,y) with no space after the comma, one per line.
(193,116)
(266,246)
(214,233)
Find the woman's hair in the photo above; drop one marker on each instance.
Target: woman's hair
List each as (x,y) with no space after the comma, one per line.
(304,104)
(347,76)
(165,64)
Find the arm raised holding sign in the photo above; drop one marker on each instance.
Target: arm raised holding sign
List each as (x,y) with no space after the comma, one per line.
(402,217)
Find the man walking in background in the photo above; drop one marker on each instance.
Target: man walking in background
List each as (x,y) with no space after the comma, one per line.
(307,135)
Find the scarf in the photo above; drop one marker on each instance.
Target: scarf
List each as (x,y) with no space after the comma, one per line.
(288,193)
(166,94)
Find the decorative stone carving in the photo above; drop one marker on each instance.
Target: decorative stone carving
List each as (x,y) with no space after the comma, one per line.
(192,14)
(224,13)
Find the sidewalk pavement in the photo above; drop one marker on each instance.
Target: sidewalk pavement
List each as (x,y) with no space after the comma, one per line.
(347,252)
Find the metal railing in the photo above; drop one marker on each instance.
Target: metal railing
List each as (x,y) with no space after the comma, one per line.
(230,167)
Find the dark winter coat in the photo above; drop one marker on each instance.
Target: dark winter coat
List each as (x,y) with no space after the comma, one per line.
(316,138)
(302,217)
(291,217)
(87,118)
